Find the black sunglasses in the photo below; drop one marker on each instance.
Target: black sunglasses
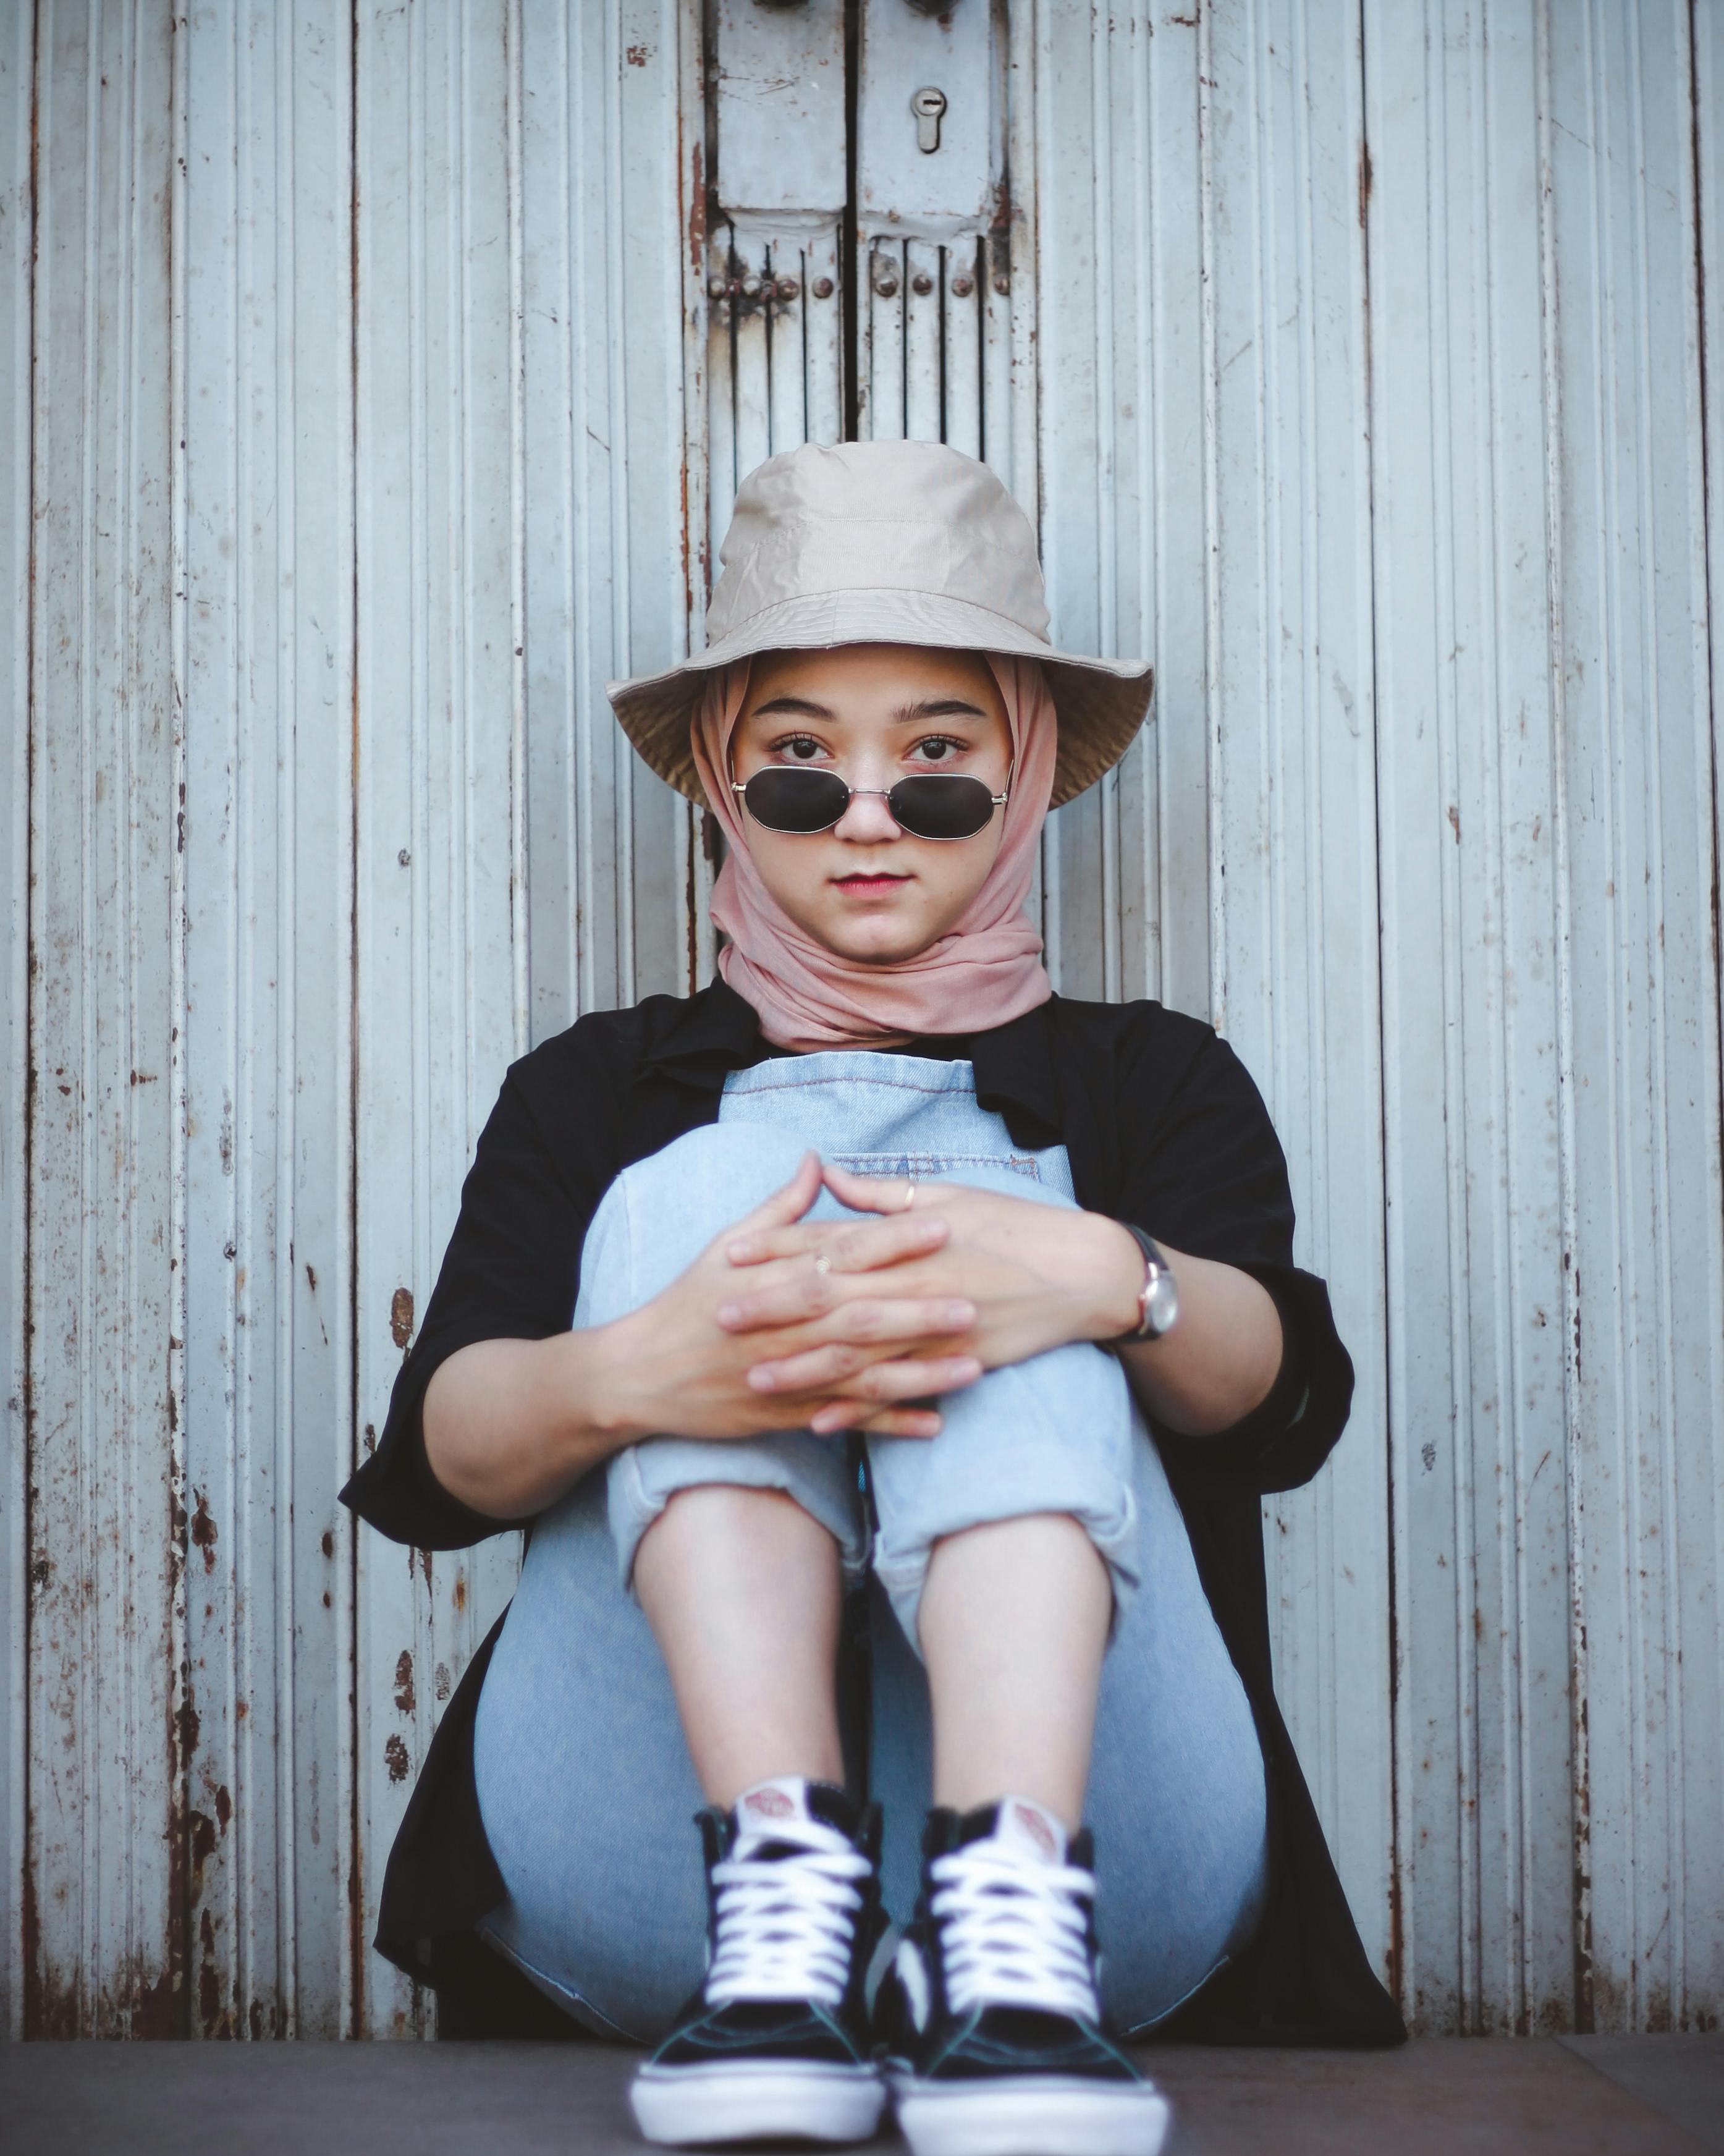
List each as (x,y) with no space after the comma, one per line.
(945,805)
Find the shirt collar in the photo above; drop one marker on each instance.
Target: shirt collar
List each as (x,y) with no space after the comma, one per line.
(716,1032)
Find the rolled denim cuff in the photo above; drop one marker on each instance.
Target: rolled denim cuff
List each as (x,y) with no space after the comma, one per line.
(1023,1481)
(640,1482)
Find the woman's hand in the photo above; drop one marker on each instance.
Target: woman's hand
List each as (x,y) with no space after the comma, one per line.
(847,1342)
(1037,1276)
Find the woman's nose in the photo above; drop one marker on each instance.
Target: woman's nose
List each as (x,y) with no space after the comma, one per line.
(867,820)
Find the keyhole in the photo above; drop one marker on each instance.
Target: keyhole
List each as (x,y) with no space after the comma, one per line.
(928,105)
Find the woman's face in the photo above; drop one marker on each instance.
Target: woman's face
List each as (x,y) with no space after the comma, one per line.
(874,713)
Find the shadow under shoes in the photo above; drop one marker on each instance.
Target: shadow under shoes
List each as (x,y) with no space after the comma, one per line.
(776,2042)
(990,2017)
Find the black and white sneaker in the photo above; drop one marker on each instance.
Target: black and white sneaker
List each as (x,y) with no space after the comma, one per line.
(989,2014)
(776,2043)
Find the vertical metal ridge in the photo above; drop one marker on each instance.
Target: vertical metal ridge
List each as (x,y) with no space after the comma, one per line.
(1706,91)
(621,626)
(18,213)
(179,1211)
(230,1507)
(282,1996)
(573,287)
(1212,671)
(1514,1650)
(1552,413)
(1451,930)
(1667,1645)
(520,916)
(1105,509)
(1153,909)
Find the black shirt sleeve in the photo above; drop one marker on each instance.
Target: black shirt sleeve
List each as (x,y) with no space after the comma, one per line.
(1203,1172)
(510,1273)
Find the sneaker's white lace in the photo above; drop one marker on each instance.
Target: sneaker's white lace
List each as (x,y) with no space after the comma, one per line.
(1011,1933)
(785,1924)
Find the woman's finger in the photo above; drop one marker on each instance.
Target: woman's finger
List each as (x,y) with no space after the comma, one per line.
(811,1295)
(837,1416)
(879,1193)
(884,1383)
(833,1362)
(849,1246)
(841,1415)
(787,1204)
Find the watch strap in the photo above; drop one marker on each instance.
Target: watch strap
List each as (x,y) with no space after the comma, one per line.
(1154,1261)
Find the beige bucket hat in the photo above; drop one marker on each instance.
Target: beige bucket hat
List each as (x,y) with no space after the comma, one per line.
(884,542)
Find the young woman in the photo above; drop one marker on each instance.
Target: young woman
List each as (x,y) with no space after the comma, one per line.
(936,1337)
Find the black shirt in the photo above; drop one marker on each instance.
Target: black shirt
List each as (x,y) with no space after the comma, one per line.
(1164,1128)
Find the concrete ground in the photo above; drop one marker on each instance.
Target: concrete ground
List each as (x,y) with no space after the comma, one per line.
(1631,2096)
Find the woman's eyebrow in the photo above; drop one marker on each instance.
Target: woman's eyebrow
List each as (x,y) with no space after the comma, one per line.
(799,705)
(936,707)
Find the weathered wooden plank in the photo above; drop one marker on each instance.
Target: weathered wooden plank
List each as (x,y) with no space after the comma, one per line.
(265,331)
(105,1882)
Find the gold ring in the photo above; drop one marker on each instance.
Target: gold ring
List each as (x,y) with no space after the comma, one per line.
(909,1195)
(823,1264)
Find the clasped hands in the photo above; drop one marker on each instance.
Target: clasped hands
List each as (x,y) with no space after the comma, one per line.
(857,1324)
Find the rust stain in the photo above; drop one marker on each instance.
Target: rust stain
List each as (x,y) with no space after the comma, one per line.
(461,1590)
(203,1842)
(401,1316)
(1364,183)
(1454,822)
(404,1682)
(203,1530)
(329,1542)
(211,2019)
(396,1759)
(638,55)
(224,1805)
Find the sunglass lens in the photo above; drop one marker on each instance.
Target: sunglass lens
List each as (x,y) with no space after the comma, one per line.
(957,806)
(783,799)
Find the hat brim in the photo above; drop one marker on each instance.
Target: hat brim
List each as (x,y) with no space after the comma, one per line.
(1101,703)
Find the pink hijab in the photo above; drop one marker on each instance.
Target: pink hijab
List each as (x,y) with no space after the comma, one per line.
(988,970)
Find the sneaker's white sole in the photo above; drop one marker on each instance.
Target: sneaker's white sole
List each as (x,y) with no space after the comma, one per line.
(1030,2115)
(757,2100)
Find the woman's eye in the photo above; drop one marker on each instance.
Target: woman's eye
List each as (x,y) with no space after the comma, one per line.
(939,748)
(797,748)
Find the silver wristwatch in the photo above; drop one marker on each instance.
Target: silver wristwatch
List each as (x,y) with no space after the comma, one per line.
(1158,1298)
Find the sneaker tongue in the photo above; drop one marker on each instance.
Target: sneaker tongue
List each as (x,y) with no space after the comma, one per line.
(785,1809)
(1027,1830)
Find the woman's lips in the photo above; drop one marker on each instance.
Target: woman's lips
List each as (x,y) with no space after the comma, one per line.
(867,886)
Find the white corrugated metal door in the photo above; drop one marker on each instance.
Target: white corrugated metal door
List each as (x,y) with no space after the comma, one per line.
(380,387)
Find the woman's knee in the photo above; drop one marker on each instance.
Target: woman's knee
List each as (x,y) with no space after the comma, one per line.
(660,1213)
(720,1166)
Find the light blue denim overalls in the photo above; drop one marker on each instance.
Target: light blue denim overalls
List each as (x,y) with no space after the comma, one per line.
(584,1781)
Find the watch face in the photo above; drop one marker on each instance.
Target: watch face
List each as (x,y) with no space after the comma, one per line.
(1163,1303)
